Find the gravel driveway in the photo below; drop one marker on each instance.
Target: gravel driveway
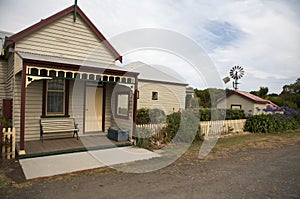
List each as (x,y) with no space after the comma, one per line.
(250,173)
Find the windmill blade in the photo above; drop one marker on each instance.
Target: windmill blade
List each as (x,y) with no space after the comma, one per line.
(226,80)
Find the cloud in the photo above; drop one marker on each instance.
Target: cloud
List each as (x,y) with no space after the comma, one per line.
(268,50)
(262,36)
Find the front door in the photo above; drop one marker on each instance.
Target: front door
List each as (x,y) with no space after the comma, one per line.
(93,109)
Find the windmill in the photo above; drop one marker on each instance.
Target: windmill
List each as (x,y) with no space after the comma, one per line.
(236,73)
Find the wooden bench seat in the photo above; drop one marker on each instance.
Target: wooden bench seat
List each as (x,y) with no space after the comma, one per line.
(57,126)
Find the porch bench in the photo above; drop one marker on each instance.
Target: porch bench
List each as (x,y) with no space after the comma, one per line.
(57,126)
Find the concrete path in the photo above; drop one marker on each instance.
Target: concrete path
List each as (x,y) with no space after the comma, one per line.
(67,163)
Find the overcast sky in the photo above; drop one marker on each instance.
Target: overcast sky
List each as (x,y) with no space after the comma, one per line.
(261,36)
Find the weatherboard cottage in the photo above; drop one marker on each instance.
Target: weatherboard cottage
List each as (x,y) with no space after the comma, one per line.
(251,104)
(63,67)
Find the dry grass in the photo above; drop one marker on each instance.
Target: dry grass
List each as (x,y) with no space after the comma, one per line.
(225,146)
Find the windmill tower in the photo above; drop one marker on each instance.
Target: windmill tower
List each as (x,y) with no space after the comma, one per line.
(236,73)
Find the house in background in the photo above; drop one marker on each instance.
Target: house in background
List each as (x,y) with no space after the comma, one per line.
(251,104)
(63,67)
(158,89)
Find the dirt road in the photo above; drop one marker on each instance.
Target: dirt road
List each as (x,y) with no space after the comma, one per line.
(250,173)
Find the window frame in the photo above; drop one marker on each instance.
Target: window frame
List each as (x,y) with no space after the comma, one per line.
(122,116)
(153,96)
(64,101)
(234,106)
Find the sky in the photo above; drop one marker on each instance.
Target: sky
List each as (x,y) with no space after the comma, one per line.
(261,36)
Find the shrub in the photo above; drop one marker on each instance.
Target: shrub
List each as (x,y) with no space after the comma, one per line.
(207,114)
(143,116)
(4,122)
(157,116)
(289,120)
(143,138)
(234,114)
(153,116)
(182,125)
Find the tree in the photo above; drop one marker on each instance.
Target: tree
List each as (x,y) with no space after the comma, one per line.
(262,92)
(208,97)
(291,93)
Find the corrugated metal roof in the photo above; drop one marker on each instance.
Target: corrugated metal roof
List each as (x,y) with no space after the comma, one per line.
(251,96)
(150,73)
(46,58)
(246,95)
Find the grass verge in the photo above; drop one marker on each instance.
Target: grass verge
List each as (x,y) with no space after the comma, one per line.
(225,146)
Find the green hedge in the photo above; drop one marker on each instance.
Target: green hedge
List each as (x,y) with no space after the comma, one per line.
(153,116)
(4,122)
(289,120)
(208,114)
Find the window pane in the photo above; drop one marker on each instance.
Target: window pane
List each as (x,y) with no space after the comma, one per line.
(56,84)
(154,95)
(122,108)
(55,96)
(55,102)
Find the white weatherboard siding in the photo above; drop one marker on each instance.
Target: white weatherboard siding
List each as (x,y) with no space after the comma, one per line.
(10,77)
(3,71)
(64,38)
(33,111)
(76,103)
(18,63)
(171,97)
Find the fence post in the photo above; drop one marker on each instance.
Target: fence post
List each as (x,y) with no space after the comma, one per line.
(1,129)
(1,134)
(8,140)
(3,148)
(8,137)
(13,142)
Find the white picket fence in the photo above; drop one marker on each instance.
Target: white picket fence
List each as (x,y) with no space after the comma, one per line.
(210,128)
(154,128)
(8,143)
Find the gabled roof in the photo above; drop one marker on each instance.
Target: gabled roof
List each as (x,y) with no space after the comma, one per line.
(247,96)
(44,22)
(151,74)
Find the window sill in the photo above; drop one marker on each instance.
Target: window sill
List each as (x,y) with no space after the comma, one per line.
(54,116)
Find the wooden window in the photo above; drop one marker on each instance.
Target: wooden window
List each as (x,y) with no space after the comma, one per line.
(236,106)
(55,97)
(122,105)
(154,95)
